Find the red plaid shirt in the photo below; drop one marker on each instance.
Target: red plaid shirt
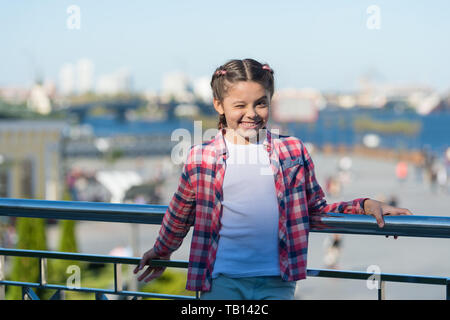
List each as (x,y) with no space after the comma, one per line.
(197,202)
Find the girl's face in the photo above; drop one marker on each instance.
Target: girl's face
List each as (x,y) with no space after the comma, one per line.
(246,109)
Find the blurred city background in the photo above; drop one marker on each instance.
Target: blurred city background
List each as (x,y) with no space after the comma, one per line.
(90,94)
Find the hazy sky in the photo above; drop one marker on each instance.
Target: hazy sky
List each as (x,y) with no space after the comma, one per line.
(321,44)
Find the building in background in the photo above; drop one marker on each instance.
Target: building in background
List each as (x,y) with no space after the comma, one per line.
(76,77)
(30,159)
(116,82)
(202,89)
(14,95)
(67,79)
(297,105)
(176,85)
(85,76)
(39,99)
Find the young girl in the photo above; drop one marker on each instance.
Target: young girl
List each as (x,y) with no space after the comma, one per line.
(251,196)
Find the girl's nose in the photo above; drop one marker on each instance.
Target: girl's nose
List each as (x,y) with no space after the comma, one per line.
(251,114)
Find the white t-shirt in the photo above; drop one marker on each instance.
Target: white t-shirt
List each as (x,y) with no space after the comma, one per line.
(248,244)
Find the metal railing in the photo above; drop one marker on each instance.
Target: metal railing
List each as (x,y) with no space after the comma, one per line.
(410,226)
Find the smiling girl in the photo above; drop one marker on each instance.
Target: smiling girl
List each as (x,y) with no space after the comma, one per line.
(251,218)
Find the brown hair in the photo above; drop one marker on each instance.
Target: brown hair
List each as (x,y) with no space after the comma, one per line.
(239,70)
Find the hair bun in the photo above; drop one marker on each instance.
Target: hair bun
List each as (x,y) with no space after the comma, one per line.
(266,67)
(221,72)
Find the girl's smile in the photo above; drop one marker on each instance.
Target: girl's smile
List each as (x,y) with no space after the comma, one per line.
(249,124)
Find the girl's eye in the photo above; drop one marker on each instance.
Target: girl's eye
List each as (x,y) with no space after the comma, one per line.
(261,104)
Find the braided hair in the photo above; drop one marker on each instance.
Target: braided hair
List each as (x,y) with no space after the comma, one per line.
(239,70)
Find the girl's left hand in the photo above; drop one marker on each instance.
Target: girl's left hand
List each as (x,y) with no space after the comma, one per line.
(379,209)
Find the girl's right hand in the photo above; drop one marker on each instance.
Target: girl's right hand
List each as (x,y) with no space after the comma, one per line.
(155,271)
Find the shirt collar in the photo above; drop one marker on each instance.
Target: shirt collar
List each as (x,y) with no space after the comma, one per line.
(221,148)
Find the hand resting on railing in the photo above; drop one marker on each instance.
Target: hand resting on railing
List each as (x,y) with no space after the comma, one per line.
(379,209)
(152,272)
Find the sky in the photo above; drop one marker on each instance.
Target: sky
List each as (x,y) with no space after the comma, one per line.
(321,44)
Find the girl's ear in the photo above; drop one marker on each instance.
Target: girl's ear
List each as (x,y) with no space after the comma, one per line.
(218,106)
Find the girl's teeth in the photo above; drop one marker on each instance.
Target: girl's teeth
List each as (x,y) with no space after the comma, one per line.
(248,124)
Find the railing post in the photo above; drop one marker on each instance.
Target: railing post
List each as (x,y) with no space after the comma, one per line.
(29,294)
(448,288)
(2,277)
(381,291)
(118,286)
(58,295)
(100,296)
(42,271)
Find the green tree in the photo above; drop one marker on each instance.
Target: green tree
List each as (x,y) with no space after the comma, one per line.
(67,243)
(31,236)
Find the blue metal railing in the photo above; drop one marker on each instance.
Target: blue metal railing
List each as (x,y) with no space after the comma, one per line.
(410,226)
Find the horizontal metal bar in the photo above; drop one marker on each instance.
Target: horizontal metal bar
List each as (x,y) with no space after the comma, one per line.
(88,257)
(326,273)
(414,226)
(311,273)
(359,275)
(96,290)
(410,225)
(81,210)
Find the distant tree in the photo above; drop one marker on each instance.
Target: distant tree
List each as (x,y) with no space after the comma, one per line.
(67,243)
(31,236)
